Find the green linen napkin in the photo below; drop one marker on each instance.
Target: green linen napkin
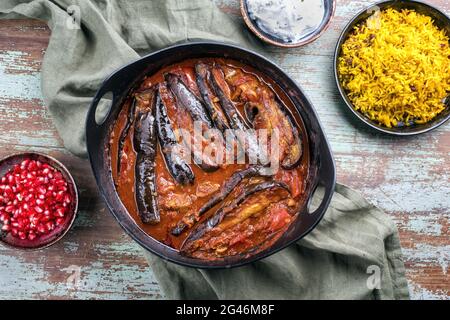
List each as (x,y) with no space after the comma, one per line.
(354,253)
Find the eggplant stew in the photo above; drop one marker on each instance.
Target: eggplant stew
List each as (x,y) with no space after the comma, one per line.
(210,158)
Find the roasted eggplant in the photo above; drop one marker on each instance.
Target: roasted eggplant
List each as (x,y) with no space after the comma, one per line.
(246,138)
(203,78)
(124,133)
(226,189)
(188,99)
(264,110)
(223,93)
(229,186)
(270,116)
(252,201)
(145,144)
(190,109)
(171,149)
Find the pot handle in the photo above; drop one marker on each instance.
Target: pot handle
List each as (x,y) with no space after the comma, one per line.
(327,178)
(114,84)
(90,119)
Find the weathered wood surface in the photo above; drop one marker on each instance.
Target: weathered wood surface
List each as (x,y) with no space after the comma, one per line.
(407,177)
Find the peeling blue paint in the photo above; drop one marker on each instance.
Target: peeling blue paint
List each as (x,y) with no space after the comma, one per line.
(24,86)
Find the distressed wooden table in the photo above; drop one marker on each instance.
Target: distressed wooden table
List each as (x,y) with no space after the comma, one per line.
(407,177)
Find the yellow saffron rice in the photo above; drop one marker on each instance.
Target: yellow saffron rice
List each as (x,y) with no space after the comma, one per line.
(395,68)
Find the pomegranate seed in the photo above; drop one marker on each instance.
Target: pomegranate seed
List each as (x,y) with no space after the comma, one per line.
(38,209)
(59,196)
(60,212)
(49,226)
(32,166)
(33,199)
(40,228)
(34,220)
(42,190)
(67,199)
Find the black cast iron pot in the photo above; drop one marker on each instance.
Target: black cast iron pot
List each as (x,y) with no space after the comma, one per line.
(322,169)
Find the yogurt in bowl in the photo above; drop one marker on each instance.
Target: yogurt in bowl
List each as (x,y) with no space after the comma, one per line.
(287,23)
(288,20)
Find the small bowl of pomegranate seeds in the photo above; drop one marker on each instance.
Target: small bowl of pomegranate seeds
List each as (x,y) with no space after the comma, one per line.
(38,200)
